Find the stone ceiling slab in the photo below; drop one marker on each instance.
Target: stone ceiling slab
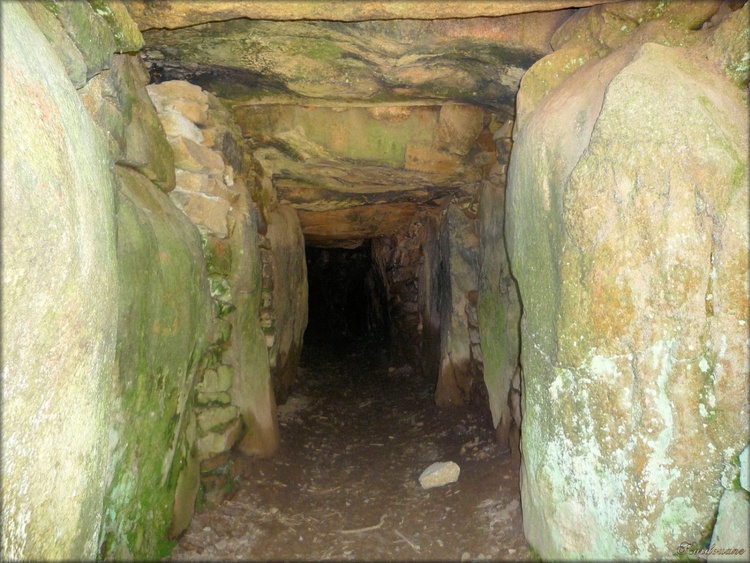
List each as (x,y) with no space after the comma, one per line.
(477,60)
(171,14)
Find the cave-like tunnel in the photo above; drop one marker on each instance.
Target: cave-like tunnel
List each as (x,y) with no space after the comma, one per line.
(408,280)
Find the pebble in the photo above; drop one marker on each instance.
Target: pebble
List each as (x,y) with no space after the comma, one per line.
(439,473)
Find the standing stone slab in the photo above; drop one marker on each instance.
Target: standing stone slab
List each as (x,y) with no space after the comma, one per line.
(164,327)
(459,247)
(628,234)
(59,304)
(289,296)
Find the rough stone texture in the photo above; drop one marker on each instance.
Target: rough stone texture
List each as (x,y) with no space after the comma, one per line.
(439,474)
(499,307)
(289,297)
(476,60)
(70,56)
(173,14)
(118,102)
(628,235)
(59,296)
(732,525)
(745,468)
(459,247)
(205,210)
(593,33)
(207,146)
(219,440)
(89,32)
(360,172)
(252,390)
(127,36)
(164,327)
(407,262)
(429,297)
(728,45)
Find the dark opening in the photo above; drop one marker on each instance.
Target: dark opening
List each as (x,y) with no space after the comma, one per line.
(347,298)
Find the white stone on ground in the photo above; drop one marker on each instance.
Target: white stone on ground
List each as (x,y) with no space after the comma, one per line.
(438,474)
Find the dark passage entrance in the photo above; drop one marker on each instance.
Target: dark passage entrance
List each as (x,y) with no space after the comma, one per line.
(357,430)
(347,298)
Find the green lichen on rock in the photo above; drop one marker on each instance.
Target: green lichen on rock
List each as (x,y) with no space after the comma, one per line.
(613,247)
(89,32)
(44,16)
(127,36)
(59,304)
(164,325)
(729,44)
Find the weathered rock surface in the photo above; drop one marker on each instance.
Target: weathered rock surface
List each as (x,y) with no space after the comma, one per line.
(439,474)
(499,308)
(206,143)
(473,60)
(628,235)
(165,319)
(731,528)
(459,247)
(171,14)
(289,303)
(59,295)
(745,468)
(360,172)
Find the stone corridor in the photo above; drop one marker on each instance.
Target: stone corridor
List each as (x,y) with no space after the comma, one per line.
(265,262)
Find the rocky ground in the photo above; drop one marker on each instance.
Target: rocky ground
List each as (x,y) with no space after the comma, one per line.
(356,434)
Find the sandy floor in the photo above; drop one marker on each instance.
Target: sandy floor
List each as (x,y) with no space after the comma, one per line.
(356,434)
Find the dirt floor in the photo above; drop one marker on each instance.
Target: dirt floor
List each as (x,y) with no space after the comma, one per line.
(356,434)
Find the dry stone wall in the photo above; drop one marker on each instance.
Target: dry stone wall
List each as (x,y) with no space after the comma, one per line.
(628,235)
(233,398)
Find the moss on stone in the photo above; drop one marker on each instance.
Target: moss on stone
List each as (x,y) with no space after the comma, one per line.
(164,322)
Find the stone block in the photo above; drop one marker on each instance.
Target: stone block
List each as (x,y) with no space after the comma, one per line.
(212,419)
(50,26)
(439,474)
(171,89)
(217,463)
(89,32)
(177,125)
(207,211)
(458,127)
(215,443)
(206,398)
(127,36)
(194,157)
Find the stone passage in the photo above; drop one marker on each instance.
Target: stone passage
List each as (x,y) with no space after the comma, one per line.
(536,211)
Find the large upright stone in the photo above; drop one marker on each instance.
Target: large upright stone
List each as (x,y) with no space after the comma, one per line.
(628,234)
(252,390)
(499,307)
(459,247)
(59,304)
(289,296)
(164,324)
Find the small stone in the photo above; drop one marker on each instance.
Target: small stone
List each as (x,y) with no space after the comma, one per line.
(439,474)
(216,417)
